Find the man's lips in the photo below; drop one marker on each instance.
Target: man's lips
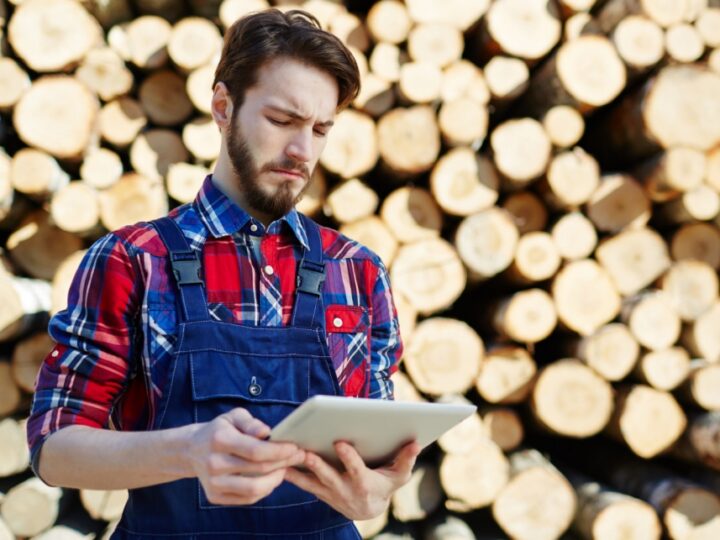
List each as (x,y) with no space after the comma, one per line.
(286,172)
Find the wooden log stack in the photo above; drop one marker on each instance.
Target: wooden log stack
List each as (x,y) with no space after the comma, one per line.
(541,177)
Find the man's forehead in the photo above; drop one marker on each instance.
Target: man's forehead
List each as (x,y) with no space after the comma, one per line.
(289,104)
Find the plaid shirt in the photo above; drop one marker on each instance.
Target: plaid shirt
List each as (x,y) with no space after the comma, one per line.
(114,341)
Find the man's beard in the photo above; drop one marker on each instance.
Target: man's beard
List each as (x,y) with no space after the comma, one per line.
(248,173)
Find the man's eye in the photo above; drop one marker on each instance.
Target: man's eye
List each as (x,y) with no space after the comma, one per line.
(279,122)
(320,133)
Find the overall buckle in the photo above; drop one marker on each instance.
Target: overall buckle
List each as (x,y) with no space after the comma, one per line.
(186,270)
(310,279)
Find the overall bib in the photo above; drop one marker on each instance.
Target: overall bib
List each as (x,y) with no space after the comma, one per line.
(219,366)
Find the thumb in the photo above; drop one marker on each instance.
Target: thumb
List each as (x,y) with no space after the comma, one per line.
(242,420)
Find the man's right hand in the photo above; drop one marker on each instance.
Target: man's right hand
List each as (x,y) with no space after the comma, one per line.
(233,462)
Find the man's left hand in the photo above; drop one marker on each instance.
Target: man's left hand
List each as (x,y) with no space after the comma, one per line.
(358,492)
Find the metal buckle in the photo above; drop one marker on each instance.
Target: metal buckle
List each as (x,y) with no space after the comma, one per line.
(187,271)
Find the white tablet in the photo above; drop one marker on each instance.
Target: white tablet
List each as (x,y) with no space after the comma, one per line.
(377,428)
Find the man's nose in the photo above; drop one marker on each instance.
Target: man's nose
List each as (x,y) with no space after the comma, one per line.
(300,146)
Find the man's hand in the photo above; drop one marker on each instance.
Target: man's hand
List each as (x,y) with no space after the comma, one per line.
(359,492)
(233,462)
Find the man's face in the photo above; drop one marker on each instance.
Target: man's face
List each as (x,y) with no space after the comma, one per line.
(275,139)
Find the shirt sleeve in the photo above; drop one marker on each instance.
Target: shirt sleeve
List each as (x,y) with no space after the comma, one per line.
(88,368)
(385,343)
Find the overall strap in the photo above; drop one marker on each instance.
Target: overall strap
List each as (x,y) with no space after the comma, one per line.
(308,310)
(186,269)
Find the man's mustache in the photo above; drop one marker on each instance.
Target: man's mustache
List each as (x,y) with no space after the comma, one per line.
(288,165)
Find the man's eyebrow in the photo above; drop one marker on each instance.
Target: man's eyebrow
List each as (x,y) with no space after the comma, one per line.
(297,116)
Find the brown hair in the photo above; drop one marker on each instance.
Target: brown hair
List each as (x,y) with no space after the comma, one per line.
(255,39)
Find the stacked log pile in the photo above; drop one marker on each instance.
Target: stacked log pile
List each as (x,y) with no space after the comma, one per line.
(541,177)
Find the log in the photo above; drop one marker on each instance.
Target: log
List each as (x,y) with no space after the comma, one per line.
(443,356)
(571,179)
(465,436)
(463,79)
(585,296)
(62,280)
(352,200)
(407,316)
(193,42)
(202,138)
(57,114)
(618,203)
(184,181)
(420,82)
(132,199)
(504,427)
(664,369)
(651,319)
(104,505)
(404,388)
(448,528)
(634,259)
(459,474)
(231,10)
(385,60)
(105,73)
(8,211)
(714,60)
(376,95)
(526,316)
(524,29)
(198,87)
(640,43)
(372,232)
(534,483)
(507,77)
(24,304)
(352,145)
(708,26)
(388,21)
(462,14)
(109,13)
(692,288)
(486,242)
(634,421)
(536,258)
(521,150)
(684,43)
(506,375)
(10,396)
(576,25)
(699,443)
(701,337)
(712,171)
(38,246)
(612,351)
(605,513)
(147,40)
(14,451)
(101,168)
(75,209)
(163,98)
(409,140)
(671,173)
(420,497)
(121,120)
(663,13)
(153,152)
(371,527)
(463,182)
(527,211)
(15,83)
(700,386)
(571,400)
(437,43)
(36,173)
(412,214)
(31,507)
(68,33)
(314,198)
(564,125)
(463,122)
(27,357)
(574,236)
(584,73)
(698,204)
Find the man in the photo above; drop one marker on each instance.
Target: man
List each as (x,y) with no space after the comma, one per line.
(193,334)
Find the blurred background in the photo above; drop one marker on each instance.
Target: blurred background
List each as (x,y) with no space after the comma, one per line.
(541,177)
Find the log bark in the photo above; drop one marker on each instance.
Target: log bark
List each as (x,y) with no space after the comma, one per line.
(535,484)
(528,212)
(574,236)
(412,214)
(463,182)
(506,375)
(444,356)
(652,320)
(526,316)
(671,173)
(663,13)
(164,99)
(372,232)
(692,288)
(570,399)
(486,242)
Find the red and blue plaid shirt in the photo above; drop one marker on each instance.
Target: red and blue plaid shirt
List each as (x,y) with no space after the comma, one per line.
(115,340)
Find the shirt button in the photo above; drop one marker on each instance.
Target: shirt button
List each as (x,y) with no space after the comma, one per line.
(337,322)
(253,227)
(269,270)
(54,354)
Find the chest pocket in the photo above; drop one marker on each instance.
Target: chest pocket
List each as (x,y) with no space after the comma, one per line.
(348,335)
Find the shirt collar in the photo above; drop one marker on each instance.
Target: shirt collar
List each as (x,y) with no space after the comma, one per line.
(223,217)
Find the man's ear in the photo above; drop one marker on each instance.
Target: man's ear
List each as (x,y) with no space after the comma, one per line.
(221,105)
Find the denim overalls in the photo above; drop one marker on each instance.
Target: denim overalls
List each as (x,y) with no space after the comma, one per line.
(219,366)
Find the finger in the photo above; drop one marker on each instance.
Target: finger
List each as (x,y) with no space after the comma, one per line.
(351,460)
(402,467)
(231,441)
(308,482)
(221,464)
(325,473)
(254,487)
(245,422)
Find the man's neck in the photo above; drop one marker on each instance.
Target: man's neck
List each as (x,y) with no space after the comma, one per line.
(226,182)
